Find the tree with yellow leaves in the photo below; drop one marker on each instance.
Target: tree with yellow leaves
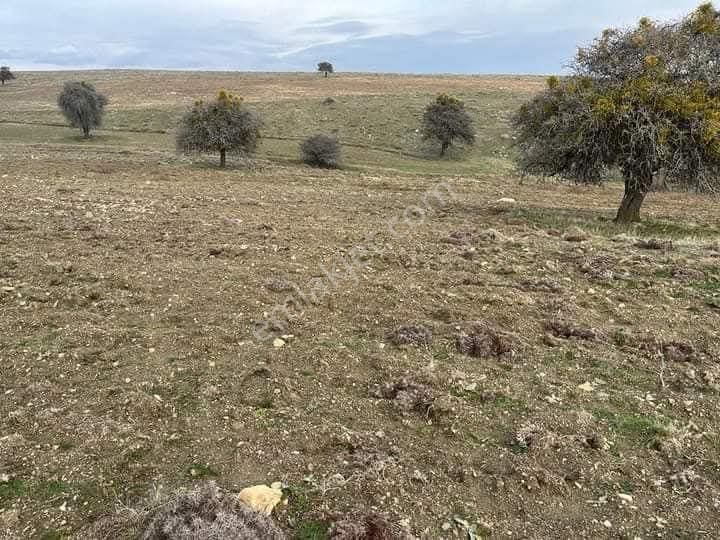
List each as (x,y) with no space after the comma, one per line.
(639,101)
(222,125)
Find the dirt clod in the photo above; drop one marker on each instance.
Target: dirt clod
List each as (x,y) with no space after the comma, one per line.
(565,330)
(410,335)
(483,342)
(407,396)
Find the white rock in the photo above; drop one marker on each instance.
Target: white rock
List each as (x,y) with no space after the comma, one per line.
(278,343)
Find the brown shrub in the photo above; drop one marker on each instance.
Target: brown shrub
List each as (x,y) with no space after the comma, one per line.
(367,527)
(483,342)
(655,244)
(202,513)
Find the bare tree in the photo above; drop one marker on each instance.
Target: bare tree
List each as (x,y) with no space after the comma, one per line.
(326,68)
(447,121)
(6,75)
(222,125)
(82,105)
(643,101)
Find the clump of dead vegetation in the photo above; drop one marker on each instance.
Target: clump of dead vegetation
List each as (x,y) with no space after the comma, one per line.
(408,396)
(459,238)
(576,234)
(541,285)
(654,244)
(482,341)
(601,268)
(672,351)
(410,335)
(565,330)
(202,513)
(367,527)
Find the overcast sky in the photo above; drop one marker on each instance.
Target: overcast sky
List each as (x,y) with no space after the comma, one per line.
(421,36)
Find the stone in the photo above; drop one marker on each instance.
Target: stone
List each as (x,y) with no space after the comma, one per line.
(262,499)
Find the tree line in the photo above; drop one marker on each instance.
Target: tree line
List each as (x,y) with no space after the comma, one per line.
(642,101)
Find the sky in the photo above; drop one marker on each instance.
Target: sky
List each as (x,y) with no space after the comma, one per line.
(406,36)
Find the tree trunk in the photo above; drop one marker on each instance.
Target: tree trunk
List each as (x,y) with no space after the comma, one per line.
(629,211)
(86,132)
(222,158)
(444,148)
(326,74)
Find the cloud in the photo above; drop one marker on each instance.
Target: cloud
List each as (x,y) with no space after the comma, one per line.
(465,36)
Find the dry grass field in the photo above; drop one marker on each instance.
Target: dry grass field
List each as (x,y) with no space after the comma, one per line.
(472,369)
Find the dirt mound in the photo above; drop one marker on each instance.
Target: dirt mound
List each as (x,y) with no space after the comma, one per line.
(484,342)
(407,396)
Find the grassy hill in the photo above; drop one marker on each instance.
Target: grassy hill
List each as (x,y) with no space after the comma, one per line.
(529,369)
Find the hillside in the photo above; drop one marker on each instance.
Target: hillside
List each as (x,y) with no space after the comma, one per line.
(525,370)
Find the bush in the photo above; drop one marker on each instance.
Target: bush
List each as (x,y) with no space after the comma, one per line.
(82,105)
(321,151)
(202,513)
(223,125)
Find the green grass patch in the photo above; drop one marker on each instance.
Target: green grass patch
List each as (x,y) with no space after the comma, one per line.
(199,471)
(54,488)
(52,534)
(711,285)
(14,489)
(600,223)
(312,530)
(642,430)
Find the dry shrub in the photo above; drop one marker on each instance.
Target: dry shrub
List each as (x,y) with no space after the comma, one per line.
(576,234)
(279,285)
(407,396)
(564,330)
(484,342)
(681,273)
(491,235)
(672,351)
(206,513)
(541,285)
(124,524)
(410,335)
(367,527)
(599,268)
(527,435)
(202,513)
(655,244)
(459,238)
(321,151)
